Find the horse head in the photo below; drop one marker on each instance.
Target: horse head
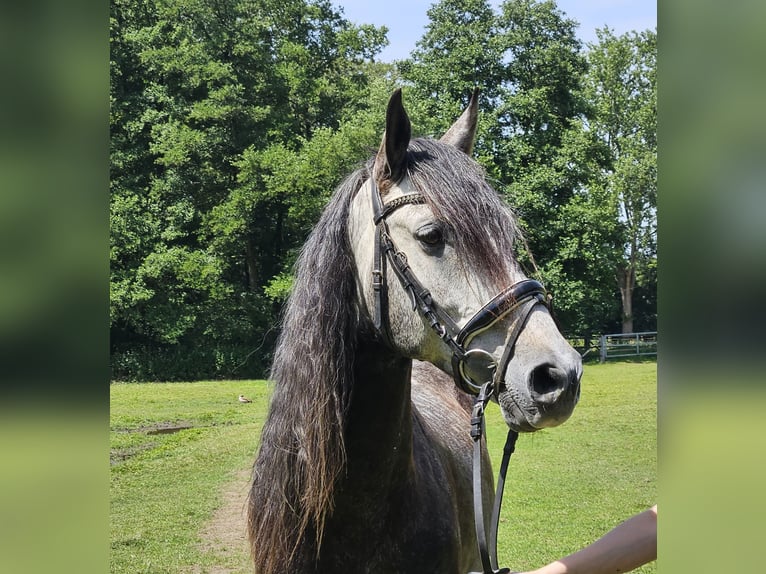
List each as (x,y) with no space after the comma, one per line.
(437,276)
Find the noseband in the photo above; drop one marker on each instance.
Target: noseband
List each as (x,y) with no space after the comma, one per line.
(476,371)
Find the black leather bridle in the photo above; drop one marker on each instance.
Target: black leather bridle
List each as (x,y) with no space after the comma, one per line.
(475,371)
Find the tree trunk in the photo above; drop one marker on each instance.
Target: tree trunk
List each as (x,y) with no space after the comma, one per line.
(587,342)
(627,280)
(252,265)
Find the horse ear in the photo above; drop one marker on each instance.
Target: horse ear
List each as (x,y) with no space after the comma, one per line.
(463,132)
(391,161)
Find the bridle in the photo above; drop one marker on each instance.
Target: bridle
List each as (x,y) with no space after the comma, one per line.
(475,371)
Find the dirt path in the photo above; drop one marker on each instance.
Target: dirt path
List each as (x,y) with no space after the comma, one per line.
(223,538)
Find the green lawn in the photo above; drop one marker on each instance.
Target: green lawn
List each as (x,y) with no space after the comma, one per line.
(568,485)
(565,486)
(164,487)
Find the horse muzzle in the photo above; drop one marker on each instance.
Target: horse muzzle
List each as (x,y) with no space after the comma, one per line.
(545,397)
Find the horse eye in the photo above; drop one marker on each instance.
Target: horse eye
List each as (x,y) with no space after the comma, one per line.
(430,234)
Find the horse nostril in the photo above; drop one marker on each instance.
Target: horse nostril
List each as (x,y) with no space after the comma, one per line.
(546,383)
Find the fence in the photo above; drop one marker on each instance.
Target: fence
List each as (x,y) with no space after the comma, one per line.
(627,345)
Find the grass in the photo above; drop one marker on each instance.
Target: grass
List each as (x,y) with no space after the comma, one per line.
(164,487)
(569,485)
(566,486)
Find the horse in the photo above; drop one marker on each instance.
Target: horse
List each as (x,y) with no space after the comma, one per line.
(400,292)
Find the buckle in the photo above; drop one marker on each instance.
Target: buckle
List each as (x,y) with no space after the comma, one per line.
(377,279)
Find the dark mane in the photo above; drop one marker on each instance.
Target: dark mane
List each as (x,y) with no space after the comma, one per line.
(302,450)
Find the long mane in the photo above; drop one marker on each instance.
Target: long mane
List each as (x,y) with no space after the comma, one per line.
(302,447)
(302,450)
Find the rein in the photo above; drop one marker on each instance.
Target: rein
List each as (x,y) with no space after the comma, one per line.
(475,371)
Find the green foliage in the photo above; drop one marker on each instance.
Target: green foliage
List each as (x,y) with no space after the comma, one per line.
(226,141)
(622,86)
(534,140)
(456,54)
(551,164)
(232,122)
(279,288)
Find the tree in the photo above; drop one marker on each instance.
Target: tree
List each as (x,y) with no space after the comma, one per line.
(457,52)
(201,89)
(533,138)
(551,163)
(282,191)
(622,84)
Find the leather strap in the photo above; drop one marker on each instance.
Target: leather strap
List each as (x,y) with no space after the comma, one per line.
(508,450)
(421,298)
(524,296)
(487,544)
(500,306)
(442,324)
